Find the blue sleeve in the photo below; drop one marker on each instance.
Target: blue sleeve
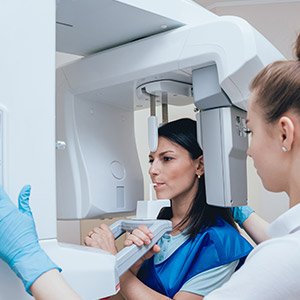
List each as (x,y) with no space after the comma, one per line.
(241,214)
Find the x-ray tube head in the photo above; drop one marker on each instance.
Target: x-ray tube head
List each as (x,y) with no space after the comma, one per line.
(221,130)
(224,149)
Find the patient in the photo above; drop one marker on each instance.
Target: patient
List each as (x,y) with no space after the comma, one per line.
(204,248)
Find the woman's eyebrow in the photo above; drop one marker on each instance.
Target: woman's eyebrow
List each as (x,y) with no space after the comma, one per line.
(162,153)
(165,152)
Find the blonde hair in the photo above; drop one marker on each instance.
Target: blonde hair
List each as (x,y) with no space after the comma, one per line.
(277,87)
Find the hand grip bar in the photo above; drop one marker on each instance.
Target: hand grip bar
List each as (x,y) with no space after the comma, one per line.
(129,255)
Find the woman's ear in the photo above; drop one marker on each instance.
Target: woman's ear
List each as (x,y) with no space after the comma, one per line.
(200,165)
(287,132)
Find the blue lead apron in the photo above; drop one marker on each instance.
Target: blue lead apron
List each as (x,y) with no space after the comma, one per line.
(218,245)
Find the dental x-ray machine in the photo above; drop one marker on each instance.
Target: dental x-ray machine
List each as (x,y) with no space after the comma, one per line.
(136,52)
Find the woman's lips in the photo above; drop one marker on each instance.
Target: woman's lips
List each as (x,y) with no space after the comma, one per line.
(158,185)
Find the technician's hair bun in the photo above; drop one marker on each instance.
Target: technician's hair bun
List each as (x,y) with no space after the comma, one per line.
(297,48)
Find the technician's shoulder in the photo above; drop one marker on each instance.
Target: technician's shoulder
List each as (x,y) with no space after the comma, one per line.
(282,250)
(277,267)
(270,272)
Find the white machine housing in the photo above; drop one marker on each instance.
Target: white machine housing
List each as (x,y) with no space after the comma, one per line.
(108,95)
(97,171)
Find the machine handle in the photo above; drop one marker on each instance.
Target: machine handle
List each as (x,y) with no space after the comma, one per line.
(129,255)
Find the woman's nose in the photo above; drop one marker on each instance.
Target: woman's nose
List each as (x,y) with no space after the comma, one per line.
(154,168)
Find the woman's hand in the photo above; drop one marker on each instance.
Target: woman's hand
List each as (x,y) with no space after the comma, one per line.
(141,236)
(101,237)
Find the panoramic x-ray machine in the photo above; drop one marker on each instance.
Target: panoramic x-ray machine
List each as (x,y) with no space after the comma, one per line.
(81,149)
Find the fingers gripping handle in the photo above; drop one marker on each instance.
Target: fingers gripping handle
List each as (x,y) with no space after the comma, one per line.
(129,255)
(117,228)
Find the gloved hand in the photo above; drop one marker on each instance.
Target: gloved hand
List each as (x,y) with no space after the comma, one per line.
(241,214)
(19,245)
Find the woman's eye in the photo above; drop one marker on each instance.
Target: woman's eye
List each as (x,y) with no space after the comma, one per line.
(167,158)
(150,160)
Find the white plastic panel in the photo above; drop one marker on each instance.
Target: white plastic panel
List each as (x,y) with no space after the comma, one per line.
(91,272)
(115,22)
(27,76)
(98,171)
(109,23)
(238,50)
(180,52)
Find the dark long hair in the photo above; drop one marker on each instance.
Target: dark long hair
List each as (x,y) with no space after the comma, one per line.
(200,215)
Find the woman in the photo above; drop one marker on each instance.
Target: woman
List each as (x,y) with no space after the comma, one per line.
(272,270)
(204,248)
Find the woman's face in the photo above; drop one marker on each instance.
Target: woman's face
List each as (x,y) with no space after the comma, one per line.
(265,148)
(173,171)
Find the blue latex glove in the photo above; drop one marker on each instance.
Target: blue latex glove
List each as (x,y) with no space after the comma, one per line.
(19,245)
(241,214)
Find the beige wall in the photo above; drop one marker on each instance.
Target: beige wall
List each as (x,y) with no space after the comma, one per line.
(278,22)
